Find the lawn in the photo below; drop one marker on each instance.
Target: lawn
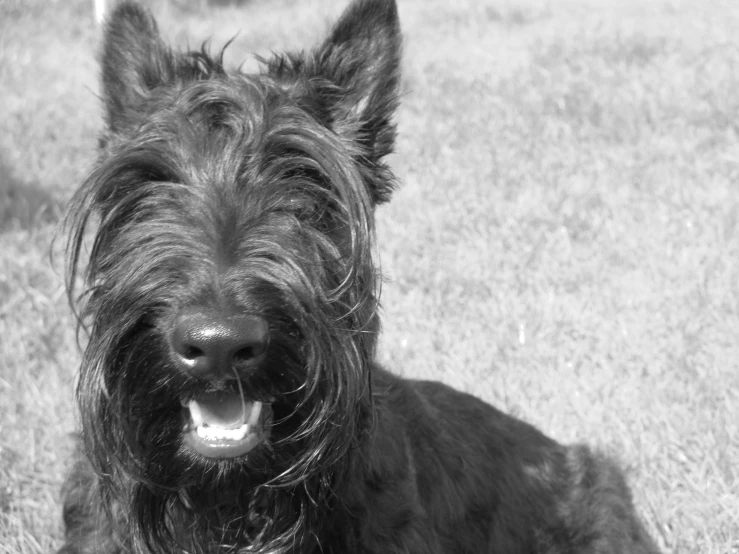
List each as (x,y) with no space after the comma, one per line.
(564,244)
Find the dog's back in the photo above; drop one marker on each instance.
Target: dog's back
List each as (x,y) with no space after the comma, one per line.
(466,478)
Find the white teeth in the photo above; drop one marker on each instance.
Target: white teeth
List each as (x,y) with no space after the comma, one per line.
(195,413)
(256,410)
(216,433)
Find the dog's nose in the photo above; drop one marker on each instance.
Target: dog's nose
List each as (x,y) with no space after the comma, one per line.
(213,347)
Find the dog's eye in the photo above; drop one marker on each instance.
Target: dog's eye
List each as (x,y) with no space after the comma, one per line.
(147,321)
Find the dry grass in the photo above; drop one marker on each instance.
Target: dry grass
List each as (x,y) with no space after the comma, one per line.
(565,242)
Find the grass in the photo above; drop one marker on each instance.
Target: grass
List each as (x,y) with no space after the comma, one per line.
(564,243)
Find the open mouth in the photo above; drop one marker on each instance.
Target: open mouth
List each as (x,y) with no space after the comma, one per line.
(223,424)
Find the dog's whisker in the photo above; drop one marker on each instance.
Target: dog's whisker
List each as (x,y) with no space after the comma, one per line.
(241,394)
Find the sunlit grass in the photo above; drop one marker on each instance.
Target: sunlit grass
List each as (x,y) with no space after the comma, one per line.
(564,243)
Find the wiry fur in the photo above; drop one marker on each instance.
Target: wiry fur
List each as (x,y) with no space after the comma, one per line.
(221,192)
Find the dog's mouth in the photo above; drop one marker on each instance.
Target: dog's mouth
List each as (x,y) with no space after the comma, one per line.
(223,424)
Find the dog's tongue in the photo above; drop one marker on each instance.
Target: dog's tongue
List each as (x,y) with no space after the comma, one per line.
(226,410)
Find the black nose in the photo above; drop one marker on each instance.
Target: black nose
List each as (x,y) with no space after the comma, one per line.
(212,347)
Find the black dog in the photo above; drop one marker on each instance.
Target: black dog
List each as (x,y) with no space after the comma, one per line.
(229,398)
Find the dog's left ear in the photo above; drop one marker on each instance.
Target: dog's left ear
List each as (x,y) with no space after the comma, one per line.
(355,75)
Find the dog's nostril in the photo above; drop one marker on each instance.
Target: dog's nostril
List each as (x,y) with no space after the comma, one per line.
(244,354)
(192,352)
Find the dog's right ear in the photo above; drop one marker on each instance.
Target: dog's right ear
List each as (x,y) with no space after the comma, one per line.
(351,83)
(135,60)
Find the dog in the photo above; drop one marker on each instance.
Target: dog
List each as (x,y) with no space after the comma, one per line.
(229,397)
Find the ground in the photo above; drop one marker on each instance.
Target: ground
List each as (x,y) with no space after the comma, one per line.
(564,243)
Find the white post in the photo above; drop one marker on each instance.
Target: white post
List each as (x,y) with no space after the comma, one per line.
(99,10)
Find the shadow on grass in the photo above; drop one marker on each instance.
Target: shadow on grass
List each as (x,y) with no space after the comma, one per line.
(24,205)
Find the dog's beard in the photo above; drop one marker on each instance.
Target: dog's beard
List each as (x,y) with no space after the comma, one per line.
(171,429)
(141,414)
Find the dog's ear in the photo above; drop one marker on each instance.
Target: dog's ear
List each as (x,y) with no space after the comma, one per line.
(134,61)
(351,82)
(362,58)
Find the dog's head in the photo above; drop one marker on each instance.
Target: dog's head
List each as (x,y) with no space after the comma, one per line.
(229,292)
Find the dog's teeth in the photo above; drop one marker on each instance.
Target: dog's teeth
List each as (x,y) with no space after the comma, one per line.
(216,433)
(209,432)
(256,410)
(196,414)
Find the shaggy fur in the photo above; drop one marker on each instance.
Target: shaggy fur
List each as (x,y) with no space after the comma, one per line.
(245,203)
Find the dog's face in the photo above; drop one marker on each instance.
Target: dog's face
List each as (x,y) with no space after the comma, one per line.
(230,294)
